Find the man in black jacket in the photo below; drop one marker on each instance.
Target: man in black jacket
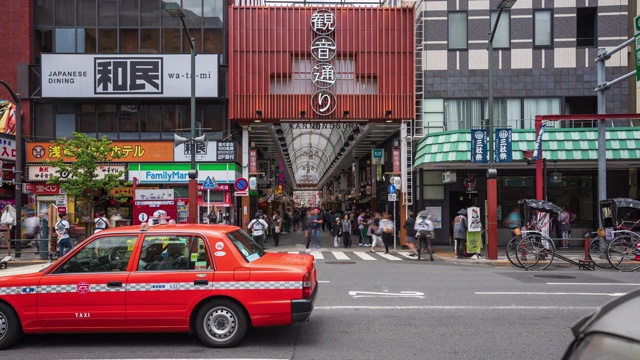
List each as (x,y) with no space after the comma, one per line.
(409,225)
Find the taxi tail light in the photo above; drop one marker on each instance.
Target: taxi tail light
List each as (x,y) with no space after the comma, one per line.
(307,284)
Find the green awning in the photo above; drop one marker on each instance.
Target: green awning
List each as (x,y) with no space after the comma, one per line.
(557,144)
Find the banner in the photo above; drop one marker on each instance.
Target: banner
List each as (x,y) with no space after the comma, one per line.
(538,150)
(479,153)
(503,145)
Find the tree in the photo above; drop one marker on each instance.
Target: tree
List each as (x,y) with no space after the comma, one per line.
(83,165)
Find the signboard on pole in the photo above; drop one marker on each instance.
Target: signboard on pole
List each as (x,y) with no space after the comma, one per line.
(503,145)
(377,156)
(479,153)
(636,26)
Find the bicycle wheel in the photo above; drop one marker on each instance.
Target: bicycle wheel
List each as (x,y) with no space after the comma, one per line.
(623,253)
(512,245)
(535,252)
(598,253)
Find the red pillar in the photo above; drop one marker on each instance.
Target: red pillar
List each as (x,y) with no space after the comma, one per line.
(492,218)
(539,175)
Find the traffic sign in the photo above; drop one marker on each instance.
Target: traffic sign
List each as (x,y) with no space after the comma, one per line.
(209,183)
(392,189)
(241,193)
(241,184)
(391,197)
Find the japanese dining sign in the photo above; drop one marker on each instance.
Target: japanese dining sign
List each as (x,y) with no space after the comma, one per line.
(44,172)
(138,76)
(323,50)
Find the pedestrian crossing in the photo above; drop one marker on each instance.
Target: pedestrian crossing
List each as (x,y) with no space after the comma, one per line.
(357,255)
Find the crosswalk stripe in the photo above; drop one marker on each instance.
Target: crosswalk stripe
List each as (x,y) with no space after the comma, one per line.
(406,254)
(340,255)
(364,256)
(389,256)
(318,255)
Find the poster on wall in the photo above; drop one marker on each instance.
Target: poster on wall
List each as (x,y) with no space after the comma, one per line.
(473,219)
(436,215)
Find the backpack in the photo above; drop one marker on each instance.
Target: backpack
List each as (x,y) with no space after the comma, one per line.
(60,227)
(100,221)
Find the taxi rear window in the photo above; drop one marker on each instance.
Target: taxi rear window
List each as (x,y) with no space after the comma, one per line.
(249,249)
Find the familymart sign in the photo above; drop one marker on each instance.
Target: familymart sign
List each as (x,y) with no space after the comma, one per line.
(172,173)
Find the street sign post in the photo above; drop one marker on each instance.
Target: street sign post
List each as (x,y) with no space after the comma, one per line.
(392,197)
(391,189)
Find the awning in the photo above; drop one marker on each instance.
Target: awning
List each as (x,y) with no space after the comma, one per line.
(557,144)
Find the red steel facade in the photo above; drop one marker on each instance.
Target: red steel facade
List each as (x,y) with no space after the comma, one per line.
(269,57)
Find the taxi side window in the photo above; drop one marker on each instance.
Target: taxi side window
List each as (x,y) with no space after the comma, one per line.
(101,255)
(161,253)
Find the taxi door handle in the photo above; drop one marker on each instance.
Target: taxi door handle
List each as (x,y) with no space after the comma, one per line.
(200,282)
(114,284)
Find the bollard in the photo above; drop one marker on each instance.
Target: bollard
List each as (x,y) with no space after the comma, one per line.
(637,258)
(587,241)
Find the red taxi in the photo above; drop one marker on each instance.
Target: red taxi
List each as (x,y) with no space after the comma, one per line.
(210,279)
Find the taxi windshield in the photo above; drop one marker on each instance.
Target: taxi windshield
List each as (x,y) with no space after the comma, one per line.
(249,249)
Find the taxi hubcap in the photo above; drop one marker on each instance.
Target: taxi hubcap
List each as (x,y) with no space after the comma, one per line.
(3,326)
(220,323)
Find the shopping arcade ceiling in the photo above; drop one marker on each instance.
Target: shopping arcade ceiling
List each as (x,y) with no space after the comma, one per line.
(313,155)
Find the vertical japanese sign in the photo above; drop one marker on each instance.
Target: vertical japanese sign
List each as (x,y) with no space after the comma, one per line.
(479,153)
(396,160)
(253,161)
(503,145)
(323,50)
(538,150)
(636,23)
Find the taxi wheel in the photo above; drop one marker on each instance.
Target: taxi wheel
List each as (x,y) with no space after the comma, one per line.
(221,323)
(10,329)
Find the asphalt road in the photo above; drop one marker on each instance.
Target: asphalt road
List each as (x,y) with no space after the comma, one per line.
(383,309)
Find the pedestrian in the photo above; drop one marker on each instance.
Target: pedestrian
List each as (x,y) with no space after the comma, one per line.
(314,223)
(32,228)
(337,233)
(115,217)
(101,222)
(376,231)
(514,220)
(460,232)
(276,221)
(213,217)
(409,225)
(424,233)
(361,223)
(257,227)
(346,232)
(387,230)
(62,231)
(323,216)
(564,220)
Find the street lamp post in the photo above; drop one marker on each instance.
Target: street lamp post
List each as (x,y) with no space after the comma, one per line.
(492,174)
(18,166)
(176,11)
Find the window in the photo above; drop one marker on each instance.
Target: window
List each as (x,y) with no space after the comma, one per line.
(249,249)
(502,37)
(433,110)
(161,252)
(457,30)
(586,26)
(539,106)
(462,113)
(506,112)
(542,28)
(102,255)
(432,188)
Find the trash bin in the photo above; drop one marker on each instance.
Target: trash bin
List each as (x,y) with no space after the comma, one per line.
(43,245)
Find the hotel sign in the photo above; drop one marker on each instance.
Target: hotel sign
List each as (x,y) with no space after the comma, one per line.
(133,151)
(134,76)
(323,74)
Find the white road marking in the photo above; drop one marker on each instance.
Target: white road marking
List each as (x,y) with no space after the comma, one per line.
(453,307)
(364,256)
(389,256)
(361,294)
(324,281)
(597,284)
(340,255)
(294,252)
(318,255)
(545,293)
